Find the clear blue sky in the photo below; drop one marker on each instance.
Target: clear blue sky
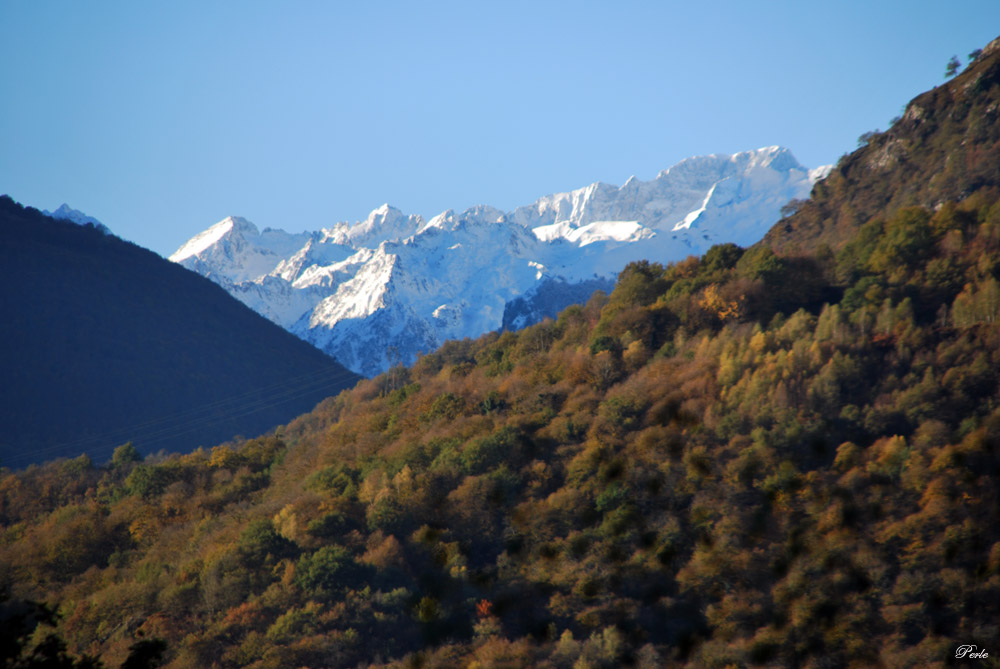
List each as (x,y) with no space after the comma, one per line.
(161,118)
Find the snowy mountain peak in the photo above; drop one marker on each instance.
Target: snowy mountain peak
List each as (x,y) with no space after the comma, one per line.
(478,217)
(205,240)
(774,157)
(67,213)
(234,250)
(777,158)
(440,221)
(383,289)
(385,222)
(380,216)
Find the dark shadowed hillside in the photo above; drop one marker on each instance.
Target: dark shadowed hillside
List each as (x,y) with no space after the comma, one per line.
(103,342)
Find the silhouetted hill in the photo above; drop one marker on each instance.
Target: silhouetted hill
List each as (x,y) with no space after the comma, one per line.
(945,146)
(103,342)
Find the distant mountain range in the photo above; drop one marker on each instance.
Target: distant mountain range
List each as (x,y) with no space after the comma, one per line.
(67,213)
(103,342)
(385,289)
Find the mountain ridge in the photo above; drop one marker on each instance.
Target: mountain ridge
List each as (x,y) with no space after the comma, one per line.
(960,115)
(564,239)
(67,213)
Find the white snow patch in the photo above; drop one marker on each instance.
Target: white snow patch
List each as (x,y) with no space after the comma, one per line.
(820,173)
(598,231)
(691,217)
(203,240)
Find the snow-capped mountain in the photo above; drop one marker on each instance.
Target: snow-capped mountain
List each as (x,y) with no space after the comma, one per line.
(382,290)
(67,213)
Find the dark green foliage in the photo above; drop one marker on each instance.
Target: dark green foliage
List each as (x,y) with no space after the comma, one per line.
(146,481)
(335,479)
(445,406)
(952,68)
(605,343)
(489,452)
(722,257)
(259,543)
(125,455)
(905,240)
(639,283)
(327,571)
(761,263)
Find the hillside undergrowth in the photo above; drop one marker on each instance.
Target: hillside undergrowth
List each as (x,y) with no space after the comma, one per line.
(739,459)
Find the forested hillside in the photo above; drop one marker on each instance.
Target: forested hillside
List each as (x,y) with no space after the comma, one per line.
(942,147)
(746,459)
